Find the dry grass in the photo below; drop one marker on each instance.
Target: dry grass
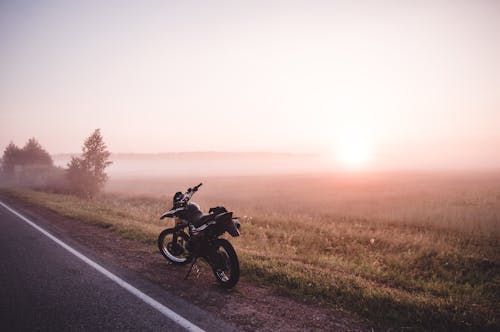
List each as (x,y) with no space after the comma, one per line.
(413,250)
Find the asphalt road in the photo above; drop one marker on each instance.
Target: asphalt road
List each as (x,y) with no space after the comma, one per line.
(43,287)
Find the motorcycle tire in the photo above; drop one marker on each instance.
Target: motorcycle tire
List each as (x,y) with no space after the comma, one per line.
(225,264)
(177,254)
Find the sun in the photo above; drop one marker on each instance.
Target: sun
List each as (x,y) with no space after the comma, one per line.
(354,148)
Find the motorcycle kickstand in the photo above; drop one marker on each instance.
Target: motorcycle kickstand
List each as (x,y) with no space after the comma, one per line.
(191,268)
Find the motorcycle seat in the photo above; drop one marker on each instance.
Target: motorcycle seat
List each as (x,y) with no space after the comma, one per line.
(203,219)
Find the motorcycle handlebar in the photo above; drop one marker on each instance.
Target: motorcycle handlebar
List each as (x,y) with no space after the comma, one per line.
(190,192)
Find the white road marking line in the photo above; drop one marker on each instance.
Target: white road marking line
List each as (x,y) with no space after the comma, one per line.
(172,315)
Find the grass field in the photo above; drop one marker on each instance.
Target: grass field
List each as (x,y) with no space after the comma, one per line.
(407,250)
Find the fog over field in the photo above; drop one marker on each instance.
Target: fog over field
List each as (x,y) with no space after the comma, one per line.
(203,164)
(207,164)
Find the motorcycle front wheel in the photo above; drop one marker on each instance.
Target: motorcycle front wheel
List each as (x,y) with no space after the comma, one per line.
(172,244)
(225,263)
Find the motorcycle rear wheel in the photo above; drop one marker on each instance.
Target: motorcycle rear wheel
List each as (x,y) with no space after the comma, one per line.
(225,264)
(175,253)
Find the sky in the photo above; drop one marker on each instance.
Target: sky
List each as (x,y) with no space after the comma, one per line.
(382,84)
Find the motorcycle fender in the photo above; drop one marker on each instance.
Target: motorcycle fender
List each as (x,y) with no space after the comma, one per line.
(171,213)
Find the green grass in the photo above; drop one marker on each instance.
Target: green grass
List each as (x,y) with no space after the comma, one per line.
(397,272)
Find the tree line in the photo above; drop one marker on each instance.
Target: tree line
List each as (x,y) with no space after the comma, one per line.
(84,175)
(31,154)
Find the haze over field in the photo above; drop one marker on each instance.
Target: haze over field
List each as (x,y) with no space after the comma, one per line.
(167,165)
(361,84)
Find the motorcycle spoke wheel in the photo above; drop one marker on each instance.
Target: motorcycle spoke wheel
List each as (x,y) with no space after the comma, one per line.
(174,251)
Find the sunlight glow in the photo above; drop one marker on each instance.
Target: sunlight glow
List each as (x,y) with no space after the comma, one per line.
(354,148)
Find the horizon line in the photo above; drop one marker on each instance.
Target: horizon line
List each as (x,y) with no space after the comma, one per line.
(200,152)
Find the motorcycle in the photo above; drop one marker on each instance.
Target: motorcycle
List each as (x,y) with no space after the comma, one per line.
(202,238)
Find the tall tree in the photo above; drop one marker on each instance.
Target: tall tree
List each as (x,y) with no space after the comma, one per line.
(34,154)
(12,156)
(86,174)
